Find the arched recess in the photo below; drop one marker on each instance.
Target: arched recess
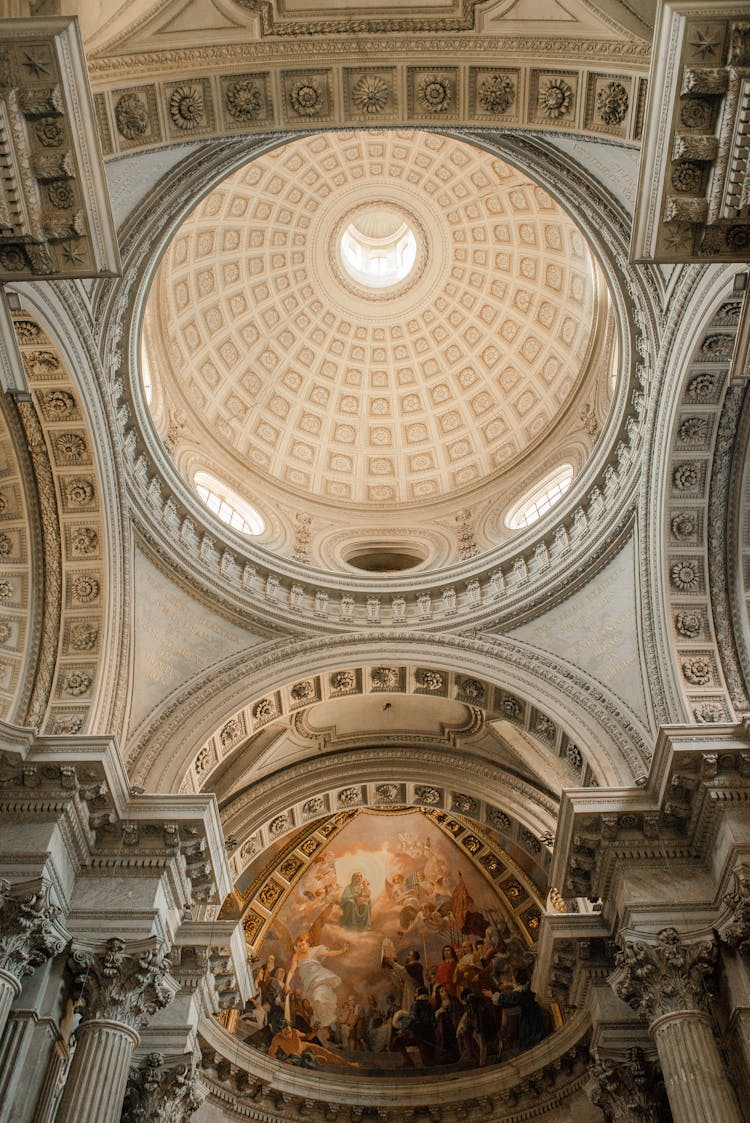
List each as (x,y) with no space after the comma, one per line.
(690,645)
(81,515)
(259,900)
(614,740)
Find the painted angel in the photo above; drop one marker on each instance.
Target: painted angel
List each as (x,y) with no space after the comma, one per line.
(318,983)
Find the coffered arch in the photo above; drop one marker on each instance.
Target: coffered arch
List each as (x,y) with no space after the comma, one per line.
(612,738)
(687,593)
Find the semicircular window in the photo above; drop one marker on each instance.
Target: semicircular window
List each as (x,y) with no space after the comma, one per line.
(541,499)
(227,505)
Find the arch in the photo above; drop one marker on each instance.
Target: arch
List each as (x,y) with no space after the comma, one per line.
(73,687)
(614,740)
(688,628)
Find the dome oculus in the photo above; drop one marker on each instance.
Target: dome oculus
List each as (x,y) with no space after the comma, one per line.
(378,250)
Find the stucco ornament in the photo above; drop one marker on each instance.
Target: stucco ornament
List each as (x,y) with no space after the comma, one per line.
(30,928)
(630,1090)
(186,107)
(686,476)
(434,93)
(688,624)
(664,977)
(702,387)
(58,403)
(497,93)
(371,94)
(83,636)
(6,546)
(684,575)
(131,117)
(85,588)
(555,97)
(693,429)
(697,671)
(707,713)
(244,100)
(430,680)
(306,98)
(80,492)
(159,1093)
(120,982)
(686,177)
(71,446)
(612,103)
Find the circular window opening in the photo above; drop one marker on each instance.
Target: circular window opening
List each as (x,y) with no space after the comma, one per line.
(227,505)
(378,248)
(536,503)
(376,558)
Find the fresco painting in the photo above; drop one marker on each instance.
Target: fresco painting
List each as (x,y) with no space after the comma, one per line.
(393,952)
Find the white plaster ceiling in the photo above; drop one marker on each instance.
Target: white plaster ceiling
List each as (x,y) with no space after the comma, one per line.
(401,397)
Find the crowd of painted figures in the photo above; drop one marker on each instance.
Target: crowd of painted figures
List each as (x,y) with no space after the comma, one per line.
(466,1010)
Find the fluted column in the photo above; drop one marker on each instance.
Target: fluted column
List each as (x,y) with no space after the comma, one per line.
(30,933)
(120,985)
(665,983)
(15,1041)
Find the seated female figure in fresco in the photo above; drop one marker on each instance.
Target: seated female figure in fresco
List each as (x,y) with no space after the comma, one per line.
(356,904)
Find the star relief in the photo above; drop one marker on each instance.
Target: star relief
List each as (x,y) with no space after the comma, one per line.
(37,66)
(73,254)
(706,42)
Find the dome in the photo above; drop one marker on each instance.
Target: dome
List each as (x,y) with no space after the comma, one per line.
(371,322)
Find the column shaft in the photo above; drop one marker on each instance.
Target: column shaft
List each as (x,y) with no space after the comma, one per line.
(696,1081)
(52,1085)
(9,989)
(98,1075)
(13,1046)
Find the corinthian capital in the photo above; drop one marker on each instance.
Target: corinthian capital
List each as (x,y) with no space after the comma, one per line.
(737,931)
(30,927)
(663,977)
(629,1090)
(162,1093)
(122,982)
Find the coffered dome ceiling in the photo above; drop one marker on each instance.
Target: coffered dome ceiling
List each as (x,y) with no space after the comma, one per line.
(300,372)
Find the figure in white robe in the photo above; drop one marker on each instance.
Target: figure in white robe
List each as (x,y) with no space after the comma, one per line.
(319,984)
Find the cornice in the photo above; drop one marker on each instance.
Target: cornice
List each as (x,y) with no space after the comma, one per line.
(268,1090)
(635,55)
